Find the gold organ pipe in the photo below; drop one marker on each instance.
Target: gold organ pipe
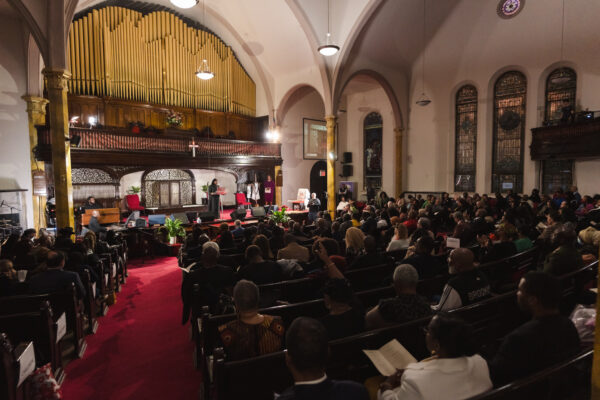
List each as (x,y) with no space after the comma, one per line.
(153,58)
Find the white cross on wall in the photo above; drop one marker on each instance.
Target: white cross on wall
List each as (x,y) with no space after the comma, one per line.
(194,146)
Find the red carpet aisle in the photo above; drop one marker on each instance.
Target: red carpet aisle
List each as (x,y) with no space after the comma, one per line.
(141,350)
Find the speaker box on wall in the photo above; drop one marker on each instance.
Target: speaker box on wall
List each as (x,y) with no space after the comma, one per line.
(347,170)
(206,216)
(258,212)
(347,158)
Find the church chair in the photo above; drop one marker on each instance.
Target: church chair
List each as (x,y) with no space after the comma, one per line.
(40,328)
(569,379)
(10,370)
(133,203)
(61,302)
(240,200)
(90,303)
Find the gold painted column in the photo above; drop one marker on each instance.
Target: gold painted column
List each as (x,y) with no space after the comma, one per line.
(56,84)
(278,186)
(36,113)
(399,158)
(331,122)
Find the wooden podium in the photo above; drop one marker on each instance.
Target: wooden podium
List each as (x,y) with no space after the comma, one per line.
(107,216)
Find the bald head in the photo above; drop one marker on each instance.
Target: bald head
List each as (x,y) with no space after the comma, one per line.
(461,260)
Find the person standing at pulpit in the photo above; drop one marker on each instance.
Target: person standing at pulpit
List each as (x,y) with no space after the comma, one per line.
(213,197)
(269,186)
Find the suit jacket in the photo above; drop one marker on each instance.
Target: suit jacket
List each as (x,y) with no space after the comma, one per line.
(54,280)
(326,390)
(294,251)
(563,260)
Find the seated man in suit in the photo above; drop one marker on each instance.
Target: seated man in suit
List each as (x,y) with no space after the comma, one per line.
(420,257)
(94,225)
(54,279)
(467,285)
(238,231)
(292,250)
(547,339)
(306,357)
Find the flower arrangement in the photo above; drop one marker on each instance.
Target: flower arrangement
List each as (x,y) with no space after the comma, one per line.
(174,118)
(280,217)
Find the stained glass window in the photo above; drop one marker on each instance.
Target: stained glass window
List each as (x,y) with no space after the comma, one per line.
(510,95)
(561,85)
(373,129)
(556,174)
(466,139)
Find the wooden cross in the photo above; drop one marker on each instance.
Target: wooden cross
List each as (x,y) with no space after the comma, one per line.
(194,146)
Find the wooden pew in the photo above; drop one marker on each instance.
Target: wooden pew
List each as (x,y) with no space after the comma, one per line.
(10,370)
(507,272)
(347,361)
(40,328)
(567,380)
(65,301)
(89,302)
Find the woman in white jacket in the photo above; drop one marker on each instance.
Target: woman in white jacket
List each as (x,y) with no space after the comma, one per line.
(452,372)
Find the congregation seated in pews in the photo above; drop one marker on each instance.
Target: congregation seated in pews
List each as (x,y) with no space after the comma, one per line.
(339,272)
(52,292)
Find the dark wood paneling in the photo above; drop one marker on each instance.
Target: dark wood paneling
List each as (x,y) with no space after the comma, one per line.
(569,142)
(119,113)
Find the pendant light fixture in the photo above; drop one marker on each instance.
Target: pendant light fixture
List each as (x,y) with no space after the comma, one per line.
(562,76)
(423,100)
(328,49)
(204,72)
(184,3)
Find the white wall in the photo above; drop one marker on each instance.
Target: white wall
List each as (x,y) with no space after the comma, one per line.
(296,170)
(129,180)
(351,137)
(478,52)
(15,169)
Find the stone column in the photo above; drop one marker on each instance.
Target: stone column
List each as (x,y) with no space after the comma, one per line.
(56,84)
(399,165)
(36,113)
(331,122)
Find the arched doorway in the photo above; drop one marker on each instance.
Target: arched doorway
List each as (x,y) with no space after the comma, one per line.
(318,182)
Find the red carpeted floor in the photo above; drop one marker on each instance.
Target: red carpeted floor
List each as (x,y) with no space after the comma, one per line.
(141,350)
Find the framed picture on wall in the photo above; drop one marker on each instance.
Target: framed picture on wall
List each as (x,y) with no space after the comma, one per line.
(314,139)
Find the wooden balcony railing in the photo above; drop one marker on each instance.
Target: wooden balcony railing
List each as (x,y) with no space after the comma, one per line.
(118,140)
(571,141)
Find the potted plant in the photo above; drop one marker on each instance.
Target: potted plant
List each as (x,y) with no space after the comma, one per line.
(135,190)
(174,229)
(280,217)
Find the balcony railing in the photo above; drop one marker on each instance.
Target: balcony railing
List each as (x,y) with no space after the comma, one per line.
(117,140)
(570,141)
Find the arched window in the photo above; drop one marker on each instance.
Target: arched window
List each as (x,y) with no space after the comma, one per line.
(561,85)
(466,139)
(373,133)
(163,188)
(510,94)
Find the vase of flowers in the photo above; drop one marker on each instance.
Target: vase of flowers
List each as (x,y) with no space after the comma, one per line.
(174,119)
(280,217)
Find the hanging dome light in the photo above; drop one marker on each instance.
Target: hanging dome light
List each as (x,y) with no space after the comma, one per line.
(423,100)
(204,72)
(184,3)
(328,49)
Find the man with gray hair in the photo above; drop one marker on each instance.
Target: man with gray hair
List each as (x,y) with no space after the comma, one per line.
(406,306)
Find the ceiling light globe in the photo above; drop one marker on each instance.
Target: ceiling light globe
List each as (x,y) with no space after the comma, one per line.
(184,3)
(329,50)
